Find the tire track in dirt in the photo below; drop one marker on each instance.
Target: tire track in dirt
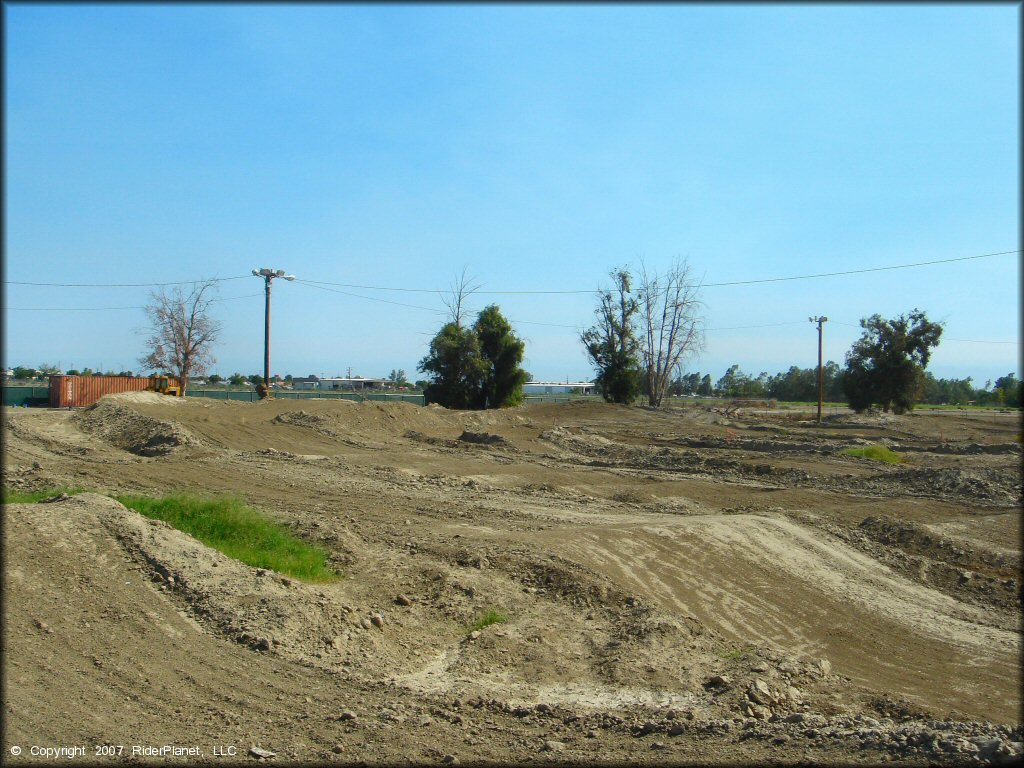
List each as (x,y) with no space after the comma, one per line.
(757,579)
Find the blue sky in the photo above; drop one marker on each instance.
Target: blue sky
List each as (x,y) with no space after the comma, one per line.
(538,146)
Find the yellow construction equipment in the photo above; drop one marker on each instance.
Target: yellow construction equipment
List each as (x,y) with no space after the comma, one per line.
(165,385)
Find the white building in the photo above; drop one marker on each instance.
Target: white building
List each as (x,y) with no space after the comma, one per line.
(559,388)
(357,382)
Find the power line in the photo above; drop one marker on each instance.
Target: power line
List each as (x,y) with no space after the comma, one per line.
(441,291)
(550,325)
(982,341)
(946,338)
(124,285)
(320,283)
(703,285)
(103,309)
(854,271)
(311,284)
(766,325)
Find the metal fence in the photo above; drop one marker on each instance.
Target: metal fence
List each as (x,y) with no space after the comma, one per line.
(250,396)
(27,395)
(40,395)
(558,397)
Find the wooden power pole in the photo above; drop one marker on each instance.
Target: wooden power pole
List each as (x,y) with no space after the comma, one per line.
(821,371)
(268,274)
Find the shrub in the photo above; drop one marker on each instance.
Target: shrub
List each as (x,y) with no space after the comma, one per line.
(875,453)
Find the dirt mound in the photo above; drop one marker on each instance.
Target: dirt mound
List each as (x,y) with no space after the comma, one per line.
(579,442)
(111,419)
(657,583)
(953,565)
(306,419)
(990,485)
(975,449)
(370,419)
(483,438)
(145,398)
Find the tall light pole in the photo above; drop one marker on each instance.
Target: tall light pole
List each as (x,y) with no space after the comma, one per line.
(268,274)
(821,374)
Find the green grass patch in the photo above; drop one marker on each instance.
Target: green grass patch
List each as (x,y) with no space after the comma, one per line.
(228,524)
(11,496)
(875,453)
(488,618)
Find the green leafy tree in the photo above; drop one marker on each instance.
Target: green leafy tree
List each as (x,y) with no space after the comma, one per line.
(732,382)
(705,389)
(796,384)
(476,367)
(215,378)
(236,380)
(833,374)
(947,391)
(73,372)
(457,371)
(20,372)
(255,379)
(398,377)
(886,365)
(1009,390)
(611,343)
(691,383)
(502,352)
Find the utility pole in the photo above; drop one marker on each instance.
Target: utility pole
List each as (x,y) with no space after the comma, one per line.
(268,274)
(821,372)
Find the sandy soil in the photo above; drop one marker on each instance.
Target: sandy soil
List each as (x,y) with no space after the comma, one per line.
(680,586)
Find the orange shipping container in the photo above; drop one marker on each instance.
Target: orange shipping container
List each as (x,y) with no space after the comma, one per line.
(68,391)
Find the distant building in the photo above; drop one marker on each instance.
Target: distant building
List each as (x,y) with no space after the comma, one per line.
(306,382)
(559,388)
(357,382)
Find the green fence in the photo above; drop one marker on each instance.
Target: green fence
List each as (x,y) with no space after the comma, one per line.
(558,397)
(40,395)
(250,395)
(27,395)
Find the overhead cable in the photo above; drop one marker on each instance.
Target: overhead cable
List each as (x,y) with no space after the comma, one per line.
(100,309)
(702,285)
(521,292)
(125,285)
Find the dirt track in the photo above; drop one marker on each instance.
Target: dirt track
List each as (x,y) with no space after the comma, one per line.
(856,610)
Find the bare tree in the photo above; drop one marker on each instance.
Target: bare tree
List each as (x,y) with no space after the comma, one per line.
(457,298)
(671,326)
(182,333)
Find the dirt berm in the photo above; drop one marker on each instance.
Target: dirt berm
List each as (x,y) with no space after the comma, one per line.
(666,604)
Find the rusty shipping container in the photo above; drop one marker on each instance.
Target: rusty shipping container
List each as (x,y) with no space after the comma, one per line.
(69,391)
